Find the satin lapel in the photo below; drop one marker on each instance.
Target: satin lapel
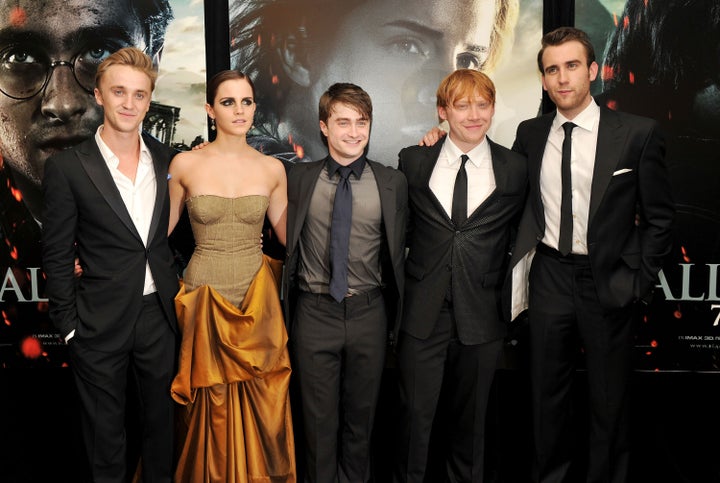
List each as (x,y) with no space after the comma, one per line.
(162,188)
(536,150)
(609,149)
(98,172)
(306,184)
(387,201)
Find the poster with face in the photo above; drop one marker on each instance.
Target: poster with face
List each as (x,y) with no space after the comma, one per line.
(49,52)
(660,60)
(398,51)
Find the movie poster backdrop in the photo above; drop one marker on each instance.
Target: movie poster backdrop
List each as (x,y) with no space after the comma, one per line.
(660,59)
(177,117)
(399,53)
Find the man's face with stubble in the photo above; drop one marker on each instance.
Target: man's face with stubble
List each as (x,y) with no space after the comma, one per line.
(33,35)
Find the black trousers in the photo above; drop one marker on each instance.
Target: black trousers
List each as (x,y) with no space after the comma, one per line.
(101,379)
(339,354)
(441,372)
(566,317)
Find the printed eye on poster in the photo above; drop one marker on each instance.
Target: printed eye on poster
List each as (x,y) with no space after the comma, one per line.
(397,51)
(49,53)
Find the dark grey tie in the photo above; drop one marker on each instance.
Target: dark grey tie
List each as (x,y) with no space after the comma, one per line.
(458,211)
(340,236)
(566,222)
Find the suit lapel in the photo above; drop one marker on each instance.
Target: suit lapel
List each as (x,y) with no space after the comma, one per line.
(535,152)
(387,201)
(498,164)
(609,145)
(94,165)
(308,177)
(426,165)
(161,193)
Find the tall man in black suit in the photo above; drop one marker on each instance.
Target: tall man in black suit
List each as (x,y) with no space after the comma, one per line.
(595,251)
(106,200)
(452,331)
(344,300)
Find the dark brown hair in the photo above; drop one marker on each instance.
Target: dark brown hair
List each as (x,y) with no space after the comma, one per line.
(222,76)
(562,35)
(345,93)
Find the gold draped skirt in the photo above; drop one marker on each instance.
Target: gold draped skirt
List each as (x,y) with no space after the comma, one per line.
(233,382)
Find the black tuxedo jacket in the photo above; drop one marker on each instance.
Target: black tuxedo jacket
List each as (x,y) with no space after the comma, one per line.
(474,255)
(85,214)
(392,188)
(629,178)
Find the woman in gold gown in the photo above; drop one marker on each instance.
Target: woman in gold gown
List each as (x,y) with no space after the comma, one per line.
(234,369)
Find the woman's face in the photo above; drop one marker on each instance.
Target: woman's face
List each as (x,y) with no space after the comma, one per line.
(399,51)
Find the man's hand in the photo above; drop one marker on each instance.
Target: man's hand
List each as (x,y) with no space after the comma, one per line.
(200,146)
(432,136)
(78,268)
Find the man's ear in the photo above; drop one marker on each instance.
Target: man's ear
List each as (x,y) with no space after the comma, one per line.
(294,60)
(593,68)
(98,96)
(442,113)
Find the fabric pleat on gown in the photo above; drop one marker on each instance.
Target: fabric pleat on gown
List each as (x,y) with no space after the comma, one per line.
(233,381)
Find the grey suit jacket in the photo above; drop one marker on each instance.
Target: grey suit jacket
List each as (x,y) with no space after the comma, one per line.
(474,255)
(392,188)
(83,208)
(629,179)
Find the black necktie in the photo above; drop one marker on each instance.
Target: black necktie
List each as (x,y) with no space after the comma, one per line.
(566,222)
(459,199)
(340,236)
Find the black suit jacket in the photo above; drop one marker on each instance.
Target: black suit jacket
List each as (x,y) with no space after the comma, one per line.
(474,255)
(392,188)
(629,178)
(83,206)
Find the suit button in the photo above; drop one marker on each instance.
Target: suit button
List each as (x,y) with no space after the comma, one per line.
(457,232)
(449,268)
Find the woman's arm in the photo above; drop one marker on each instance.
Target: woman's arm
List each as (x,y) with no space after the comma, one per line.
(277,209)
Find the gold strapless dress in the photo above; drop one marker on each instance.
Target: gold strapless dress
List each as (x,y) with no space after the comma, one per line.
(234,371)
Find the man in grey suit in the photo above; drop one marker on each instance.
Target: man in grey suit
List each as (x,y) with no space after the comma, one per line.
(465,193)
(342,300)
(106,201)
(593,237)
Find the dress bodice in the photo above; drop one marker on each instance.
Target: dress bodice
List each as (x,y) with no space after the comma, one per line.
(227,236)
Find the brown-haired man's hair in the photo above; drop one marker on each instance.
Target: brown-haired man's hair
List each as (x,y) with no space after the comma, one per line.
(345,93)
(562,35)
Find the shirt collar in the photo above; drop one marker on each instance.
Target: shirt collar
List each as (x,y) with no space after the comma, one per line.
(476,154)
(587,119)
(111,158)
(356,167)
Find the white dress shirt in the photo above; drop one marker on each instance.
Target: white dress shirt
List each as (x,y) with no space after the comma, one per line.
(139,197)
(582,163)
(480,175)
